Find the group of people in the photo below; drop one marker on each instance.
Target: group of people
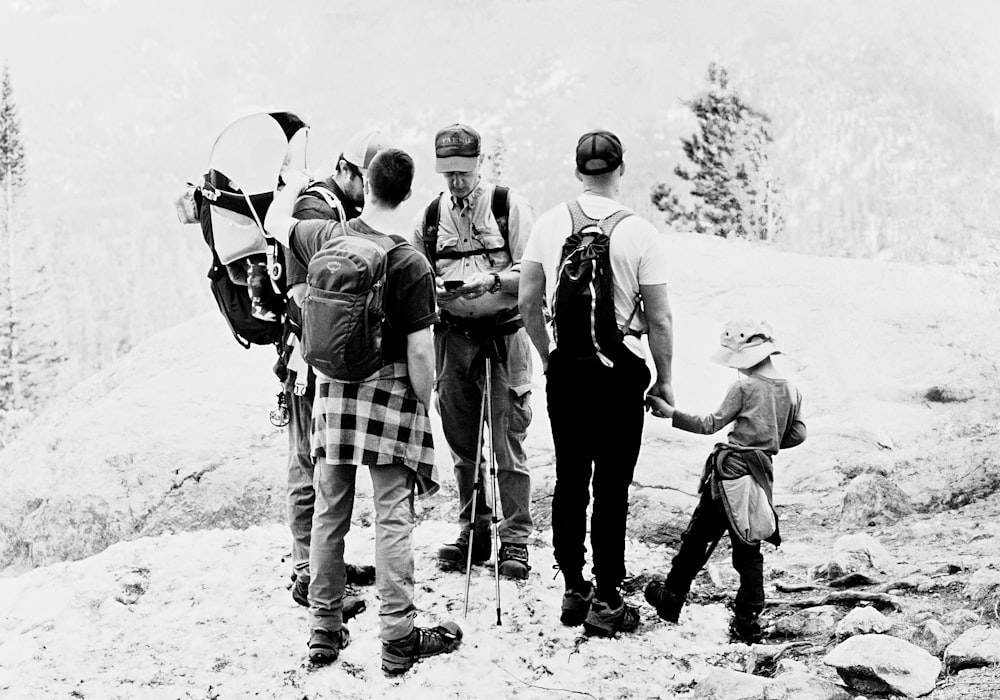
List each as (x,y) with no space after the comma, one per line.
(469,289)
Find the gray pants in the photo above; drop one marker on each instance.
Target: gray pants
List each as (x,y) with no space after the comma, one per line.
(393,487)
(300,479)
(460,386)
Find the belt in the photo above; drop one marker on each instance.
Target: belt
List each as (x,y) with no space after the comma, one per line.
(504,323)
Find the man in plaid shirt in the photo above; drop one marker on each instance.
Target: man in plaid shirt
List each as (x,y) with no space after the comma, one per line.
(381,422)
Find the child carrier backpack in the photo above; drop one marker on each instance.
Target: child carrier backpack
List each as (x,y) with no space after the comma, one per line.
(344,310)
(583,306)
(245,277)
(499,205)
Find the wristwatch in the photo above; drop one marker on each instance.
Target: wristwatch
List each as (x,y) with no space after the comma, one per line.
(496,283)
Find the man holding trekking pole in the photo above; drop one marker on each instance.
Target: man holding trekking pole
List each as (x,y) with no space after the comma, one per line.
(473,236)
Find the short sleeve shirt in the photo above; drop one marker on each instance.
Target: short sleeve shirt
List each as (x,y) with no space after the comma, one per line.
(409,298)
(638,254)
(308,207)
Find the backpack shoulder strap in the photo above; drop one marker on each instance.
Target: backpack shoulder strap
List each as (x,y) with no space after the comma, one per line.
(609,223)
(500,205)
(579,218)
(432,221)
(318,189)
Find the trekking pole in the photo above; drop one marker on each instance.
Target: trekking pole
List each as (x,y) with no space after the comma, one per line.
(475,493)
(488,392)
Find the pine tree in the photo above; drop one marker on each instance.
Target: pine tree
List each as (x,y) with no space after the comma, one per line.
(734,193)
(12,182)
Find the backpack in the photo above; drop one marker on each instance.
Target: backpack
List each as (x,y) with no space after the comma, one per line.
(319,190)
(234,268)
(343,310)
(499,205)
(583,305)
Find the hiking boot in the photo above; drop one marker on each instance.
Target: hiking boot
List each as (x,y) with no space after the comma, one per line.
(325,646)
(745,628)
(576,605)
(453,557)
(400,655)
(604,621)
(352,605)
(360,574)
(514,561)
(667,603)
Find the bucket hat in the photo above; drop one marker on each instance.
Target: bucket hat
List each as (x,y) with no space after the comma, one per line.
(745,343)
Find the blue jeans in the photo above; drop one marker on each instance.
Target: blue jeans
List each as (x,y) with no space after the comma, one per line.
(461,381)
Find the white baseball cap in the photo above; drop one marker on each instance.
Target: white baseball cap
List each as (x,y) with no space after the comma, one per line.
(362,147)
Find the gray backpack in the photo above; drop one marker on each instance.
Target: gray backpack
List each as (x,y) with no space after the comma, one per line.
(343,310)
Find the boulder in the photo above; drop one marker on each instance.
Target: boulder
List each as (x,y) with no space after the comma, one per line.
(853,553)
(878,663)
(871,499)
(983,589)
(863,620)
(962,619)
(797,684)
(815,621)
(932,636)
(723,684)
(977,646)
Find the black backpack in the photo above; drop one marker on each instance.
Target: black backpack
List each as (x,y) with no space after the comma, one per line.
(499,204)
(583,306)
(232,297)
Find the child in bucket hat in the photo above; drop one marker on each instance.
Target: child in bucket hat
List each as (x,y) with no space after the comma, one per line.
(736,485)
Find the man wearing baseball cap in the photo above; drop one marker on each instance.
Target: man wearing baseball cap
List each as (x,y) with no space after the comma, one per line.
(596,384)
(473,235)
(338,197)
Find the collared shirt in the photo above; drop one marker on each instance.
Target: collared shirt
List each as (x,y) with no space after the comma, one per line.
(469,225)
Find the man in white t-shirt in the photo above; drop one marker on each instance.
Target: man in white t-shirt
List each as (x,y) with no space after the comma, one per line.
(596,392)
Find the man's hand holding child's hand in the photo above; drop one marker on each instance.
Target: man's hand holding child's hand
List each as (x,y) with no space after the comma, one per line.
(659,407)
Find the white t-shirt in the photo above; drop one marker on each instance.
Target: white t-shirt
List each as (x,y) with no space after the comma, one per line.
(638,255)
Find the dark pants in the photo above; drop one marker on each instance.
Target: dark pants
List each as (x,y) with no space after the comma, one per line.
(708,524)
(596,414)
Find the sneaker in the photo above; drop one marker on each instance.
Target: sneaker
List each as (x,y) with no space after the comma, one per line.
(514,561)
(576,605)
(604,621)
(453,557)
(399,656)
(745,628)
(667,603)
(325,646)
(360,574)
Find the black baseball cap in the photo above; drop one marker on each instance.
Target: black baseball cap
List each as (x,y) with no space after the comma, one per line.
(598,152)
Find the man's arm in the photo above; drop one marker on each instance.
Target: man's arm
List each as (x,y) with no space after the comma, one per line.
(420,363)
(661,338)
(279,222)
(529,299)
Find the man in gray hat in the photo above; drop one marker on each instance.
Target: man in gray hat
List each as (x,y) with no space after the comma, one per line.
(473,235)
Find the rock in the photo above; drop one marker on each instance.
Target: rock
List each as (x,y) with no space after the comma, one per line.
(853,553)
(871,499)
(962,619)
(878,663)
(863,620)
(723,684)
(819,620)
(798,684)
(978,646)
(983,589)
(933,636)
(659,516)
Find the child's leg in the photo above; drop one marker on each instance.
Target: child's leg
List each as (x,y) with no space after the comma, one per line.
(749,563)
(708,524)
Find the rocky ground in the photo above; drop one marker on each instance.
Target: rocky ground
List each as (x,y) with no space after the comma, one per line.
(140,524)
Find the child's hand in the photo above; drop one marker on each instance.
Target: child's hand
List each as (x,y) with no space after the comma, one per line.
(659,407)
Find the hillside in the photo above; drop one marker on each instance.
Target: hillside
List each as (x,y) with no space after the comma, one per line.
(885,118)
(169,448)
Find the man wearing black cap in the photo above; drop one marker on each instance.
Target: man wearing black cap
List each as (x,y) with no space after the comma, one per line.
(596,373)
(473,235)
